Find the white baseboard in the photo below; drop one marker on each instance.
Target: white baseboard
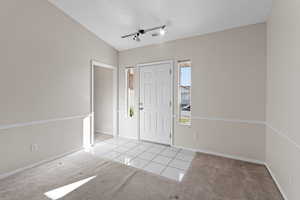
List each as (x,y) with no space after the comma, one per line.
(5,175)
(127,137)
(223,155)
(104,132)
(276,182)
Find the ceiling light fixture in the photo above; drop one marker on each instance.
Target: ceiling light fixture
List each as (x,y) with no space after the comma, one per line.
(162,31)
(136,36)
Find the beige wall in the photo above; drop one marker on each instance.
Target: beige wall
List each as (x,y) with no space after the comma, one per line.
(283,97)
(103,102)
(228,81)
(44,74)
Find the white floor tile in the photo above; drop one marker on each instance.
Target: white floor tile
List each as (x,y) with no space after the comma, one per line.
(159,145)
(129,145)
(147,144)
(111,141)
(117,141)
(167,161)
(124,159)
(154,168)
(135,142)
(147,156)
(174,149)
(121,149)
(162,160)
(173,173)
(179,164)
(104,146)
(141,148)
(168,153)
(111,155)
(134,152)
(155,150)
(184,157)
(124,140)
(100,150)
(138,163)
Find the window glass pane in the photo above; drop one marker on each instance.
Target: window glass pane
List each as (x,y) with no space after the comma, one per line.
(184,91)
(130,92)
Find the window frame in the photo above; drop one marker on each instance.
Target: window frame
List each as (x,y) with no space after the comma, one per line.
(179,86)
(127,106)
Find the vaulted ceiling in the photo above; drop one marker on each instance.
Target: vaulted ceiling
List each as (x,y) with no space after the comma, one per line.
(109,19)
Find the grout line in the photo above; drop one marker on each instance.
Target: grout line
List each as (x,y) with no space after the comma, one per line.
(156,154)
(134,157)
(168,164)
(148,162)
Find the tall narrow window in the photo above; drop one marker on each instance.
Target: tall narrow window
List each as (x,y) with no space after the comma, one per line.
(184,92)
(130,92)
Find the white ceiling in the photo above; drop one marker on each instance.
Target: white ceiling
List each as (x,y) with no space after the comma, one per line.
(109,19)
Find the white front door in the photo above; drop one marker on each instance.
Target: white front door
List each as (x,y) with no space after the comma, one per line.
(156,81)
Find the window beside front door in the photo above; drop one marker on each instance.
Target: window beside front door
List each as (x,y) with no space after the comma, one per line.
(184,92)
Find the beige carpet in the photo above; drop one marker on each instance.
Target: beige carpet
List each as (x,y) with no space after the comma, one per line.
(209,178)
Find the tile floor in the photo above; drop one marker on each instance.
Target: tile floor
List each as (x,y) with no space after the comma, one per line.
(159,159)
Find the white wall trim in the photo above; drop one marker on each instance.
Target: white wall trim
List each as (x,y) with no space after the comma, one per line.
(5,175)
(276,181)
(9,126)
(96,63)
(230,120)
(284,136)
(223,155)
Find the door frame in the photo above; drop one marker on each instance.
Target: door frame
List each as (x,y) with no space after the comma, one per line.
(139,66)
(95,63)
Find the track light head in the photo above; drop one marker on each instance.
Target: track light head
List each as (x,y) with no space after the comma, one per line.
(162,31)
(136,37)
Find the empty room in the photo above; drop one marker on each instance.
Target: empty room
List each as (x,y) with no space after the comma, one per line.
(149,100)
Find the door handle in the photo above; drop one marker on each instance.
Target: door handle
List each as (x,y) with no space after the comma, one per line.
(141,106)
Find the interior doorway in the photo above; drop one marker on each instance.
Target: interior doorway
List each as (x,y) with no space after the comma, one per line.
(156,102)
(103,102)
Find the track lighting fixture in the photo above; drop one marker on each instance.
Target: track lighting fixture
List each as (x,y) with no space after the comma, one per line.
(136,36)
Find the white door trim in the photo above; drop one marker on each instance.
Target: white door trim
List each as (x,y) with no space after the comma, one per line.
(171,62)
(95,63)
(156,63)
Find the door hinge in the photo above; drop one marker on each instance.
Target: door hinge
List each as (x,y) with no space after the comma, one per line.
(170,103)
(170,134)
(170,71)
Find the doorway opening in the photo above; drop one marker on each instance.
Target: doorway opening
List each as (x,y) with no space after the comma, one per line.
(103,102)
